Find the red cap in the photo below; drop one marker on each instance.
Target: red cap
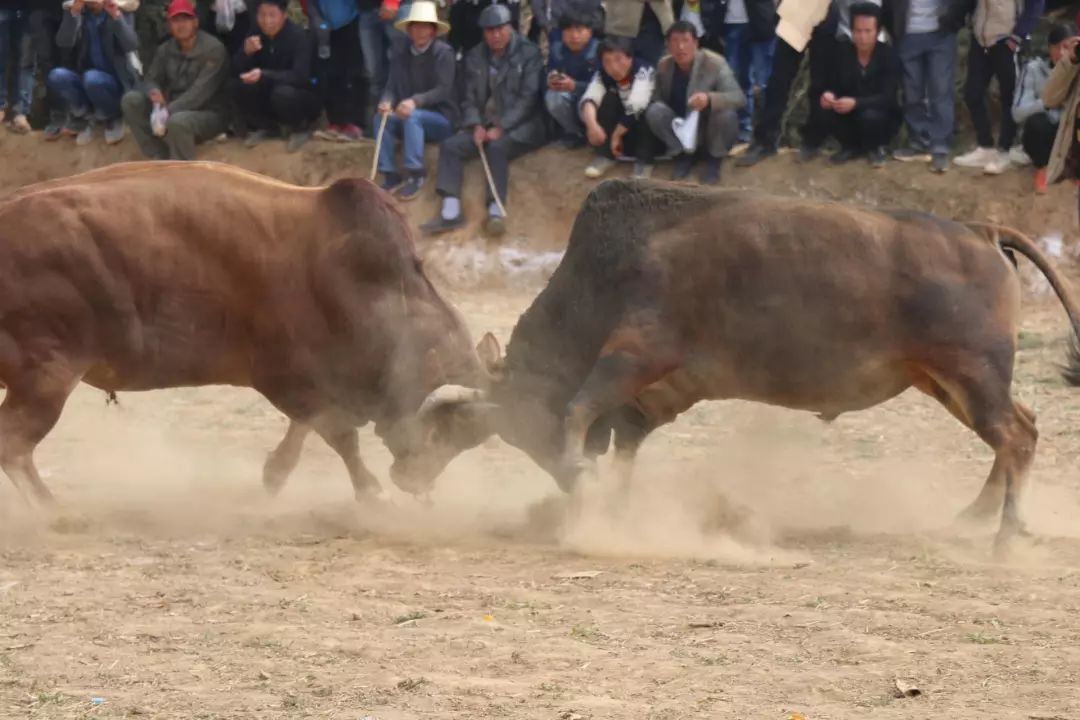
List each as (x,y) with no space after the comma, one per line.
(180,7)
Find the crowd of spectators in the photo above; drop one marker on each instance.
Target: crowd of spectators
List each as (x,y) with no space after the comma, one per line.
(642,81)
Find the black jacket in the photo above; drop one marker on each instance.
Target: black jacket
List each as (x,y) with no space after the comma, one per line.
(876,88)
(284,59)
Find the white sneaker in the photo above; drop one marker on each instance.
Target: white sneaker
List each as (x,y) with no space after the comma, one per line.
(999,164)
(1019,157)
(86,135)
(980,157)
(643,170)
(599,166)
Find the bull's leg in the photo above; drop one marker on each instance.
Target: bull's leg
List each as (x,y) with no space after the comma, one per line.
(29,411)
(614,381)
(283,459)
(1009,428)
(631,429)
(342,436)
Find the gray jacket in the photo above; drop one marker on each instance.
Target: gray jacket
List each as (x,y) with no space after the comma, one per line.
(192,81)
(516,90)
(1028,100)
(119,39)
(710,74)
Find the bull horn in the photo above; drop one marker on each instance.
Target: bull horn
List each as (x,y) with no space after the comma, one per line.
(450,395)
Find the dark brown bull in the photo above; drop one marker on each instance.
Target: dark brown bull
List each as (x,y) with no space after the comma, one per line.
(669,295)
(155,275)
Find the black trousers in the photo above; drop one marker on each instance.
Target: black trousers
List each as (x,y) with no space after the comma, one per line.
(233,40)
(49,56)
(985,64)
(1038,138)
(460,148)
(341,77)
(864,130)
(786,62)
(639,143)
(266,105)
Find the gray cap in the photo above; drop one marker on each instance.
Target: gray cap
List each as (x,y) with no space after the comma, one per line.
(495,16)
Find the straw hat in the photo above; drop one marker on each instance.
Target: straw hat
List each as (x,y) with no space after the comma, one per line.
(423,11)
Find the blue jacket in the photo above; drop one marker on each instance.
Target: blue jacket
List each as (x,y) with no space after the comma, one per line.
(579,66)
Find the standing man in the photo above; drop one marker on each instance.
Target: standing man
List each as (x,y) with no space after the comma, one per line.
(749,39)
(184,89)
(378,38)
(419,101)
(501,115)
(643,21)
(998,29)
(925,35)
(272,79)
(339,68)
(17,44)
(802,23)
(101,36)
(691,79)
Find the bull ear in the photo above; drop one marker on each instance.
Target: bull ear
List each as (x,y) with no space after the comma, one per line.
(490,353)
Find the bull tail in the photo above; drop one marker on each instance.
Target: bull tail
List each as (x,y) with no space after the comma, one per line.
(1008,239)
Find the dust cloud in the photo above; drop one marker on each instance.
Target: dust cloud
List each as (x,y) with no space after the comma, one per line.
(729,482)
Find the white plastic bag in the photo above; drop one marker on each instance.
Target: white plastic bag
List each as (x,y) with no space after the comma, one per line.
(686,130)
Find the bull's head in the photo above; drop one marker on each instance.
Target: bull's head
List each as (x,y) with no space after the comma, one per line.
(452,419)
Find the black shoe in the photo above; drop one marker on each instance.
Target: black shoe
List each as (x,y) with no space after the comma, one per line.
(842,156)
(754,155)
(391,182)
(495,226)
(410,189)
(441,225)
(711,174)
(684,163)
(572,142)
(877,157)
(807,153)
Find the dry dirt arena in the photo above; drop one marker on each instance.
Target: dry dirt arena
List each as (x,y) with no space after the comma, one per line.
(767,566)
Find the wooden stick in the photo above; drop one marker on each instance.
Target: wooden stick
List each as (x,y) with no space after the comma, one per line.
(378,146)
(491,181)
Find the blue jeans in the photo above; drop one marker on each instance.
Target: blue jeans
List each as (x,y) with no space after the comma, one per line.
(751,61)
(17,39)
(94,92)
(928,61)
(376,39)
(422,126)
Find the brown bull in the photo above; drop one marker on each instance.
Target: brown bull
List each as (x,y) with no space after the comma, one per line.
(155,275)
(669,295)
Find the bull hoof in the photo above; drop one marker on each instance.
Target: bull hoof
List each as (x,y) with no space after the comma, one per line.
(977,515)
(273,486)
(1005,540)
(370,496)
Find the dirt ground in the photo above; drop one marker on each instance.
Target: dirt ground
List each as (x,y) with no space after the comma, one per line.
(767,566)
